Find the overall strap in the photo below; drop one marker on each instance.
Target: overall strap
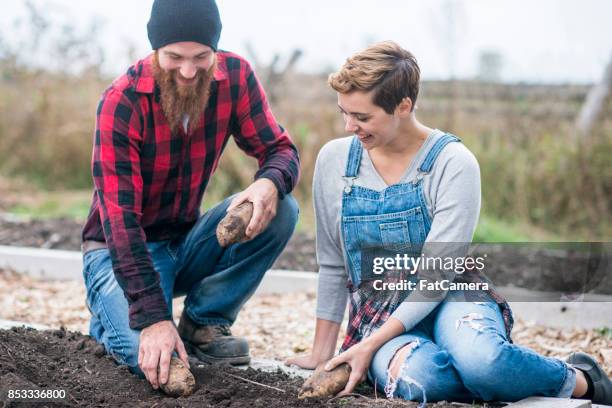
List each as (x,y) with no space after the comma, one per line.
(435,150)
(352,164)
(354,158)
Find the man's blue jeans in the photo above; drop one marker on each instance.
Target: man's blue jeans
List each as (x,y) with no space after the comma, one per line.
(460,353)
(217,281)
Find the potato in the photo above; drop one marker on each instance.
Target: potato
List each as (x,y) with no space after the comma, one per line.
(232,227)
(181,383)
(325,383)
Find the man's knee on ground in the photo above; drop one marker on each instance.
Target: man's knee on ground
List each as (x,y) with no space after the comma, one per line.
(126,354)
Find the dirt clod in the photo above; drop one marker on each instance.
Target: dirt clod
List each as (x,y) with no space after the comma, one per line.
(99,351)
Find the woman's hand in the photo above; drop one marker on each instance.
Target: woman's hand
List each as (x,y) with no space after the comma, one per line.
(308,361)
(359,358)
(326,336)
(360,355)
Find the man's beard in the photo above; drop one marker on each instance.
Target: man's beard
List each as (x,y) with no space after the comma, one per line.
(180,101)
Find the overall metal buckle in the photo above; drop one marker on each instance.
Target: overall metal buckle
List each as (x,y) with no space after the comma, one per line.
(348,181)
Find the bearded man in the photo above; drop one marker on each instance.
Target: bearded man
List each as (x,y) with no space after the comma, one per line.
(160,131)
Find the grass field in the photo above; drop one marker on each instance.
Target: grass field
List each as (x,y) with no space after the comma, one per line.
(537,173)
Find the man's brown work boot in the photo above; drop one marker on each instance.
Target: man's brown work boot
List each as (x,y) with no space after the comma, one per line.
(214,343)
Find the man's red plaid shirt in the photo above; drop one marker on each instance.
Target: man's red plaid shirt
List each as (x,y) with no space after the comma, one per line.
(149,183)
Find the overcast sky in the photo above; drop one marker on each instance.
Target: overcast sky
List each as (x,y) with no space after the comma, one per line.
(540,41)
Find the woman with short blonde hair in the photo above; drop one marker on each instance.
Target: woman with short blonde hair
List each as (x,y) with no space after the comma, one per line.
(398,187)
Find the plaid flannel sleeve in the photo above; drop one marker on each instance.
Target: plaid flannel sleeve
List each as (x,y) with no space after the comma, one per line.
(259,135)
(118,182)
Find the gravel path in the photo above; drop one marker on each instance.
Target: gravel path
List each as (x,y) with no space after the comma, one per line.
(277,326)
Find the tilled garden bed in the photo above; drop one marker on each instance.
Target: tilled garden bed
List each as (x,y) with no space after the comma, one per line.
(75,365)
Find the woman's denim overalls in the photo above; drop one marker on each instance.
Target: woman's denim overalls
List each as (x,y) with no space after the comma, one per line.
(460,351)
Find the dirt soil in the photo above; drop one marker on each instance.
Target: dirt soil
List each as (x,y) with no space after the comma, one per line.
(69,361)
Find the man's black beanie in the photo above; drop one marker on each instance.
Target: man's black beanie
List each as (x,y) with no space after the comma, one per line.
(184,20)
